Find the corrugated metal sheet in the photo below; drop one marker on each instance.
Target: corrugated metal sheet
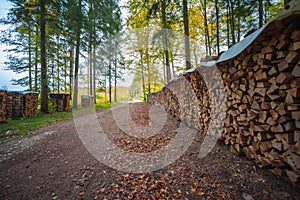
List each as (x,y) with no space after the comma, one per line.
(208,64)
(238,48)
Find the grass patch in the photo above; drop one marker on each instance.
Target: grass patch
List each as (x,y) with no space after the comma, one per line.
(80,111)
(24,125)
(12,127)
(104,105)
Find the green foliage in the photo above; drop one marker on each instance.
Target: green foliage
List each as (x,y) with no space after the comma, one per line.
(241,182)
(94,27)
(84,24)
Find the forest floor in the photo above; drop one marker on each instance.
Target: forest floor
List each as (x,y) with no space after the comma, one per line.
(52,163)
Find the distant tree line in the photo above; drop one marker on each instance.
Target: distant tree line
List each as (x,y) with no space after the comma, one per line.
(48,37)
(214,24)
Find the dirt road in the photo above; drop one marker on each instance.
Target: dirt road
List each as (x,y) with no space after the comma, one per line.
(52,163)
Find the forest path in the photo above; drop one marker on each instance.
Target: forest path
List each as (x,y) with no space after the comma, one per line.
(53,163)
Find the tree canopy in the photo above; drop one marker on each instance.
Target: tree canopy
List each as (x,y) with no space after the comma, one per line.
(48,40)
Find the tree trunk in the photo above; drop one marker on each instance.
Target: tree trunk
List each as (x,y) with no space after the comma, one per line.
(36,61)
(58,75)
(148,66)
(109,80)
(172,62)
(266,8)
(65,74)
(186,35)
(105,93)
(44,84)
(71,66)
(77,52)
(29,60)
(94,72)
(58,58)
(228,25)
(232,21)
(195,56)
(94,57)
(90,68)
(168,71)
(143,78)
(165,68)
(115,76)
(166,48)
(238,22)
(260,13)
(52,74)
(217,24)
(207,37)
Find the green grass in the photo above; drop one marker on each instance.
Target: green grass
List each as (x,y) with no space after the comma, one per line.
(104,105)
(24,125)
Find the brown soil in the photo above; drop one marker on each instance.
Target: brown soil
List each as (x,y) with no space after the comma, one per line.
(52,163)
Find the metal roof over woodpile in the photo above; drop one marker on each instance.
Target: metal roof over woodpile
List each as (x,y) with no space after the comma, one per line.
(235,50)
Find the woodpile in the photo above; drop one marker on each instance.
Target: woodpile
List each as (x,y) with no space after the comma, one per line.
(262,85)
(30,103)
(263,88)
(186,98)
(60,102)
(21,104)
(3,97)
(87,100)
(14,104)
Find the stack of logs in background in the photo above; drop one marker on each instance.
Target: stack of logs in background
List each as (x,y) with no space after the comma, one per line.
(87,100)
(3,97)
(14,104)
(262,86)
(60,102)
(30,103)
(21,104)
(17,104)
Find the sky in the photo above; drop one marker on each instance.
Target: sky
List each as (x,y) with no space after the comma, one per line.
(6,75)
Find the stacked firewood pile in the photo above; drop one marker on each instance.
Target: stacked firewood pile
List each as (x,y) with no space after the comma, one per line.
(60,102)
(30,103)
(3,97)
(186,98)
(263,89)
(14,104)
(87,100)
(21,104)
(262,86)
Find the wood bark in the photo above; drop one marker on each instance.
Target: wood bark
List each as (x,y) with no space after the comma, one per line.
(44,79)
(186,35)
(77,54)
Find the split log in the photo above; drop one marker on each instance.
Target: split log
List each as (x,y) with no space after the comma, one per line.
(277,145)
(296,71)
(296,46)
(293,176)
